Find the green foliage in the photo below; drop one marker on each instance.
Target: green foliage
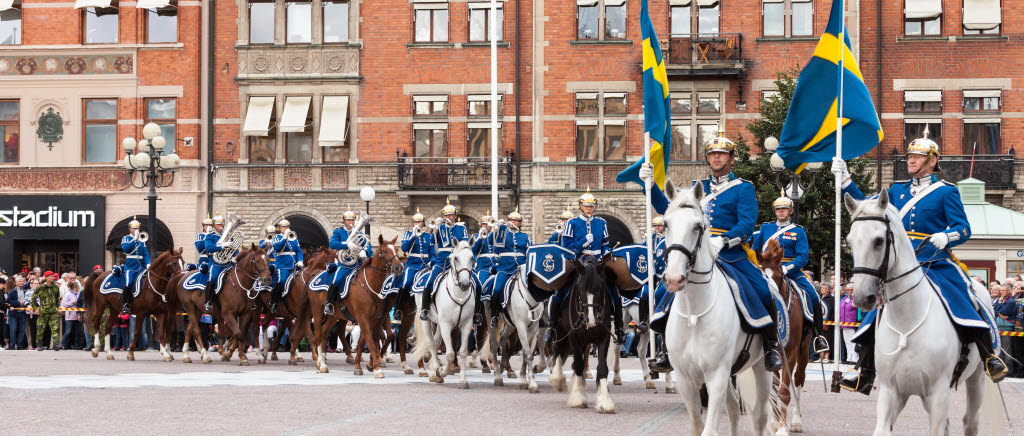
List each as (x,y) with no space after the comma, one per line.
(816,210)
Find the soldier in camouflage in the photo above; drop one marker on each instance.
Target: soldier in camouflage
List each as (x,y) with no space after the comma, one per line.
(46,299)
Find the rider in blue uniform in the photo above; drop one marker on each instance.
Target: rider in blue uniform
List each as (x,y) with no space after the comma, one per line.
(510,243)
(418,245)
(267,244)
(793,240)
(447,235)
(287,257)
(731,207)
(204,257)
(587,235)
(213,246)
(136,260)
(339,241)
(486,260)
(556,237)
(658,227)
(932,214)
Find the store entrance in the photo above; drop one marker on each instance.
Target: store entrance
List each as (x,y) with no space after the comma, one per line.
(59,256)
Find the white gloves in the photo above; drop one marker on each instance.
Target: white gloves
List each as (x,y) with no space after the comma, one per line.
(147,266)
(939,240)
(786,269)
(298,264)
(362,254)
(590,239)
(839,167)
(646,172)
(718,243)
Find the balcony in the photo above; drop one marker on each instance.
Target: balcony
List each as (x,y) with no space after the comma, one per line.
(703,54)
(997,171)
(448,174)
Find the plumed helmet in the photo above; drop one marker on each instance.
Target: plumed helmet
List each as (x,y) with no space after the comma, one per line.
(783,202)
(208,221)
(515,215)
(720,144)
(925,146)
(588,199)
(218,219)
(270,229)
(658,221)
(134,223)
(418,216)
(567,215)
(349,215)
(448,209)
(284,223)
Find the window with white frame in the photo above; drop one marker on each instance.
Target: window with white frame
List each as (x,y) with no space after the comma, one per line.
(696,117)
(479,131)
(299,21)
(601,19)
(261,21)
(922,109)
(427,106)
(162,24)
(689,15)
(601,126)
(922,17)
(480,22)
(982,17)
(335,21)
(431,21)
(99,25)
(797,15)
(431,139)
(982,121)
(10,130)
(982,100)
(10,24)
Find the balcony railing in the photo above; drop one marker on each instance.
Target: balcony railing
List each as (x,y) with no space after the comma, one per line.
(997,171)
(702,48)
(454,173)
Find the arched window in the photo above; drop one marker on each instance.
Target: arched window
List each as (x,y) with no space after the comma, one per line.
(163,238)
(618,233)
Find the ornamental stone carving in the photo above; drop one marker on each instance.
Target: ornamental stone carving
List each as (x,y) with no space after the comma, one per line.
(329,62)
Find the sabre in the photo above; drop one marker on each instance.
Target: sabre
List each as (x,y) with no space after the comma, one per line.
(1005,411)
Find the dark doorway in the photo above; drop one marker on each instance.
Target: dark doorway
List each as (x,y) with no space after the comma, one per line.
(311,234)
(59,256)
(618,233)
(164,240)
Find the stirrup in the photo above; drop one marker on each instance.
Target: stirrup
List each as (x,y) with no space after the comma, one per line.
(998,377)
(641,328)
(824,341)
(398,314)
(208,306)
(494,321)
(329,309)
(857,386)
(425,315)
(126,308)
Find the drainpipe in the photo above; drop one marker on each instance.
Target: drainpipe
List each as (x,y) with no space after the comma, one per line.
(519,153)
(211,67)
(878,107)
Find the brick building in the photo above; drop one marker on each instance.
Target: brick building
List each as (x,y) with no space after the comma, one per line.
(105,68)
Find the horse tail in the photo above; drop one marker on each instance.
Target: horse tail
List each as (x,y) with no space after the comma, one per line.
(485,348)
(420,350)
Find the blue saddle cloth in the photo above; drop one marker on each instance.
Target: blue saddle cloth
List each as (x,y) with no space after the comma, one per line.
(196,281)
(805,295)
(390,286)
(322,281)
(636,258)
(118,278)
(548,261)
(953,288)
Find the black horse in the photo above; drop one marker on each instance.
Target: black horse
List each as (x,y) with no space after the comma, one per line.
(586,319)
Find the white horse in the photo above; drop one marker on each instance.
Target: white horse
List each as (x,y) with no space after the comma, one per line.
(703,336)
(526,314)
(629,314)
(915,342)
(453,308)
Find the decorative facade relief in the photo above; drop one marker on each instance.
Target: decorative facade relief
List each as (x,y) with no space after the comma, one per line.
(300,62)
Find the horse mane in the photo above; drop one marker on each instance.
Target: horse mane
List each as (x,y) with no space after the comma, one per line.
(590,277)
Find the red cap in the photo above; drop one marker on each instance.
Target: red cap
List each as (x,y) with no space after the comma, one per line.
(49,273)
(97,267)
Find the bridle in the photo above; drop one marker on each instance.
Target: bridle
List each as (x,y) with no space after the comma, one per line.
(170,264)
(457,271)
(257,279)
(691,253)
(882,272)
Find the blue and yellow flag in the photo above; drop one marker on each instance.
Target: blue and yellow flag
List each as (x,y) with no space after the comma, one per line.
(656,114)
(809,134)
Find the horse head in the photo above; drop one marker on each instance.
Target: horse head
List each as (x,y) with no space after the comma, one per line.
(167,264)
(876,233)
(388,256)
(461,263)
(594,280)
(254,261)
(770,261)
(686,235)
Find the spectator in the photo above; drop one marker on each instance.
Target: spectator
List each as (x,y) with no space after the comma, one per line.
(72,324)
(1005,308)
(3,311)
(46,300)
(828,301)
(848,314)
(627,345)
(121,340)
(17,318)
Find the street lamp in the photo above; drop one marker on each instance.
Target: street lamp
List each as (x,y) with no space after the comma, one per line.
(795,189)
(155,169)
(367,194)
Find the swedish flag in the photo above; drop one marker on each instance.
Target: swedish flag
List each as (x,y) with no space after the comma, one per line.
(809,134)
(656,113)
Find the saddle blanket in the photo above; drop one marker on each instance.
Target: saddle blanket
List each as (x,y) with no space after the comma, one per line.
(115,282)
(801,296)
(630,298)
(390,286)
(420,282)
(537,294)
(196,281)
(487,288)
(548,261)
(636,258)
(322,281)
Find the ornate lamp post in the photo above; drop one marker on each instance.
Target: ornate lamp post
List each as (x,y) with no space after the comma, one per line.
(155,169)
(795,189)
(367,194)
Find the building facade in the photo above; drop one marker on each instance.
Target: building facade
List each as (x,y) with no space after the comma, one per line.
(75,79)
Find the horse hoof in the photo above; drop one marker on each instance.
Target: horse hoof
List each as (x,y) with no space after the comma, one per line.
(389,359)
(350,359)
(534,389)
(243,363)
(588,375)
(433,378)
(299,359)
(225,358)
(499,382)
(207,360)
(463,385)
(650,385)
(95,353)
(486,370)
(274,357)
(782,432)
(382,364)
(110,357)
(186,360)
(523,386)
(605,407)
(512,375)
(670,390)
(797,427)
(378,374)
(357,372)
(131,358)
(292,362)
(538,369)
(408,371)
(473,365)
(168,359)
(617,381)
(423,374)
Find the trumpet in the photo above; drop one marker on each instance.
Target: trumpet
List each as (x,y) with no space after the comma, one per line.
(291,236)
(492,221)
(142,237)
(559,227)
(417,231)
(269,239)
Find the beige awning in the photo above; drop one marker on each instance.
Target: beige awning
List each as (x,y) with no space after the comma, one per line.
(982,14)
(922,95)
(679,2)
(922,8)
(706,3)
(333,119)
(152,4)
(294,118)
(257,116)
(982,93)
(6,4)
(92,4)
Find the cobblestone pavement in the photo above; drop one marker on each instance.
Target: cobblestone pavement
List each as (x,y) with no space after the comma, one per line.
(56,392)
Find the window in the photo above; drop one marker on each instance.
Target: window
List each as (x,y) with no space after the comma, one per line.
(768,95)
(615,19)
(431,22)
(914,129)
(601,130)
(10,131)
(300,145)
(480,105)
(708,103)
(615,104)
(705,133)
(586,104)
(931,26)
(299,25)
(1014,268)
(587,18)
(10,26)
(982,17)
(981,101)
(702,15)
(333,136)
(335,18)
(480,139)
(263,146)
(100,131)
(774,12)
(614,140)
(162,111)
(100,25)
(680,17)
(162,24)
(695,113)
(480,20)
(680,142)
(922,102)
(430,105)
(800,14)
(708,14)
(431,139)
(802,18)
(586,140)
(922,17)
(261,22)
(981,133)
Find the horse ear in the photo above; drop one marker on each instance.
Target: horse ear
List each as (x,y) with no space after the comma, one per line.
(180,249)
(851,203)
(698,191)
(883,200)
(670,190)
(380,240)
(394,240)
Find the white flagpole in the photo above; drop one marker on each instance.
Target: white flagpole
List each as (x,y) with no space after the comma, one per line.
(837,345)
(650,248)
(492,22)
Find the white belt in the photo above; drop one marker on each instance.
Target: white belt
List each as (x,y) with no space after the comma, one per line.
(133,256)
(591,252)
(483,256)
(445,249)
(420,256)
(510,254)
(286,253)
(201,256)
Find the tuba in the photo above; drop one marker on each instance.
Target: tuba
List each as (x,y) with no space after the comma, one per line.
(230,240)
(357,241)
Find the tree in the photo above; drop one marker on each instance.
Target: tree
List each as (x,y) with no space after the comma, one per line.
(817,207)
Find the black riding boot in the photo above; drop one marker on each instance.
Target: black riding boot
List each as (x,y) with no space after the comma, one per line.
(994,366)
(332,295)
(425,311)
(399,302)
(478,311)
(772,357)
(208,292)
(275,296)
(495,310)
(620,335)
(645,315)
(862,380)
(818,344)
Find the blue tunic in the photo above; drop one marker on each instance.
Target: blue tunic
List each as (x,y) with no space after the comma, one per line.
(941,210)
(339,241)
(795,254)
(269,247)
(419,251)
(511,247)
(554,239)
(486,261)
(286,255)
(446,238)
(204,256)
(136,258)
(211,247)
(574,236)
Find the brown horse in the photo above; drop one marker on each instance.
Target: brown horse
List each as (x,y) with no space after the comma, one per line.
(193,302)
(242,282)
(158,299)
(797,350)
(363,303)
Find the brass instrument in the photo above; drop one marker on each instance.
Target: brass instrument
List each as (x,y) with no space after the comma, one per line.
(559,227)
(291,236)
(492,221)
(230,240)
(142,237)
(417,231)
(357,241)
(269,239)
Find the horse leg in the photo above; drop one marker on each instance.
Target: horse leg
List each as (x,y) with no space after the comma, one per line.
(197,335)
(613,355)
(261,354)
(760,410)
(604,399)
(498,345)
(243,338)
(733,410)
(359,353)
(449,350)
(557,378)
(94,323)
(670,386)
(799,376)
(347,347)
(718,385)
(464,355)
(577,387)
(785,390)
(403,341)
(186,345)
(975,385)
(321,340)
(106,334)
(888,407)
(691,399)
(586,362)
(937,406)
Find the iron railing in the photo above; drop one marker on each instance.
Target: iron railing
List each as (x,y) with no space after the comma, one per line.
(454,173)
(997,171)
(702,48)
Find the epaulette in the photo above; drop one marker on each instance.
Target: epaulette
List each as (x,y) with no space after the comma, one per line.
(599,218)
(947,183)
(461,223)
(742,180)
(901,181)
